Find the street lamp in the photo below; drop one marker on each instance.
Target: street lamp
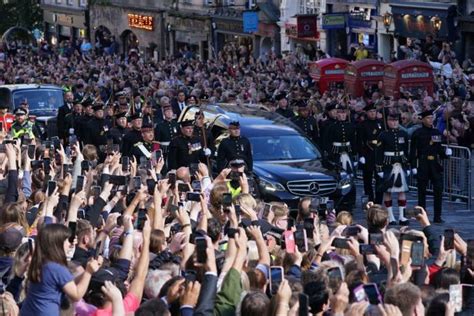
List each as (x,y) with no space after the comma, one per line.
(387,20)
(436,24)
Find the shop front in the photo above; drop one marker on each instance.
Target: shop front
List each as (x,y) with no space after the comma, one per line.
(334,24)
(362,30)
(362,75)
(410,77)
(62,25)
(188,34)
(137,32)
(230,31)
(328,73)
(302,34)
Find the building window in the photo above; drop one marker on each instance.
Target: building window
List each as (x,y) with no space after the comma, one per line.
(208,2)
(70,2)
(59,1)
(83,3)
(229,2)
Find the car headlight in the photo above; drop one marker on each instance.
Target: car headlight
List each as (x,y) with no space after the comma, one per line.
(271,186)
(345,183)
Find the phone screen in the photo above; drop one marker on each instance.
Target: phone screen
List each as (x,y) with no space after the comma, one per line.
(31,151)
(226,199)
(340,243)
(335,278)
(193,196)
(301,240)
(448,239)
(309,227)
(81,214)
(137,183)
(456,297)
(376,239)
(417,254)
(141,219)
(51,187)
(372,293)
(97,249)
(201,247)
(80,183)
(72,226)
(172,179)
(31,245)
(95,191)
(125,164)
(276,277)
(151,184)
(303,300)
(196,185)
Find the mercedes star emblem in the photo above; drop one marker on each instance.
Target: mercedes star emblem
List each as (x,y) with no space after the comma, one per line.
(314,188)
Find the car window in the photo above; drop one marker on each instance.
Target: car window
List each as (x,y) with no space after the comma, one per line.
(39,99)
(285,147)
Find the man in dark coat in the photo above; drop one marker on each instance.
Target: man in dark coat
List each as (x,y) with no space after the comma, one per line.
(234,147)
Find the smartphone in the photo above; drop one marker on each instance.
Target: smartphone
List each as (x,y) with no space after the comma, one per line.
(359,293)
(417,254)
(314,205)
(31,245)
(117,180)
(235,175)
(55,142)
(137,183)
(85,166)
(226,199)
(308,225)
(193,168)
(193,196)
(97,249)
(72,226)
(120,221)
(276,277)
(125,164)
(290,244)
(265,210)
(290,223)
(158,154)
(330,205)
(36,164)
(405,251)
(376,239)
(335,274)
(141,218)
(373,294)
(51,187)
(351,231)
(68,169)
(301,240)
(47,166)
(150,184)
(80,183)
(366,249)
(448,239)
(364,200)
(172,179)
(341,243)
(31,151)
(183,187)
(190,275)
(455,296)
(72,139)
(95,191)
(304,307)
(412,212)
(196,185)
(81,214)
(201,248)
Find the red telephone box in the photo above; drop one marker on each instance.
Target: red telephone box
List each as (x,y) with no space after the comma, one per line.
(362,74)
(328,73)
(408,75)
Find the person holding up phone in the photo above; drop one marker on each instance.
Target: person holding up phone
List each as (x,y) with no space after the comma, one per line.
(392,163)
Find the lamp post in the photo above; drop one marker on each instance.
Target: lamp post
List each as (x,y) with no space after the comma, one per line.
(387,20)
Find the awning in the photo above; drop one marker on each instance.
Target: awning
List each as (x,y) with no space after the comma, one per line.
(429,9)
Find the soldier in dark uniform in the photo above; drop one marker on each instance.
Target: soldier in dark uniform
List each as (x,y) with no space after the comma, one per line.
(147,146)
(369,131)
(82,121)
(71,119)
(167,129)
(340,141)
(185,149)
(307,123)
(426,153)
(331,118)
(234,147)
(200,129)
(133,136)
(118,132)
(392,163)
(96,130)
(283,106)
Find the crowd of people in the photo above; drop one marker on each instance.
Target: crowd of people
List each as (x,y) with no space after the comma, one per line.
(123,214)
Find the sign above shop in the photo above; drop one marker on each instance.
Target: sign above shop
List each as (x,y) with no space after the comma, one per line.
(139,21)
(333,21)
(250,21)
(306,25)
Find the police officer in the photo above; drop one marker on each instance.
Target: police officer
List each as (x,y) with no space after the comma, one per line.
(306,123)
(133,136)
(22,127)
(426,153)
(369,132)
(147,146)
(283,106)
(62,112)
(392,163)
(96,133)
(80,125)
(185,149)
(118,132)
(234,147)
(340,141)
(331,118)
(167,129)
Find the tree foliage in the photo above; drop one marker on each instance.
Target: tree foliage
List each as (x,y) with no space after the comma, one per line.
(25,13)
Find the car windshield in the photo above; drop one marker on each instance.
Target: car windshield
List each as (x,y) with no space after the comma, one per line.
(285,147)
(39,99)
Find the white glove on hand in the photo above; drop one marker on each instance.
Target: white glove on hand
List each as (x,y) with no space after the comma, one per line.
(380,174)
(414,171)
(362,160)
(449,151)
(207,152)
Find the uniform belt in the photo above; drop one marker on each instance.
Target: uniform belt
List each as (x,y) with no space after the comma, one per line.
(430,157)
(393,153)
(373,142)
(341,144)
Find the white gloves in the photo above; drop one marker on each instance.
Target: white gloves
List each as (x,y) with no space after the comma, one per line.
(380,174)
(449,151)
(207,152)
(362,160)
(414,171)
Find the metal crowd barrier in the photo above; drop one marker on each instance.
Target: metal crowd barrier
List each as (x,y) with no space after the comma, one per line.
(458,182)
